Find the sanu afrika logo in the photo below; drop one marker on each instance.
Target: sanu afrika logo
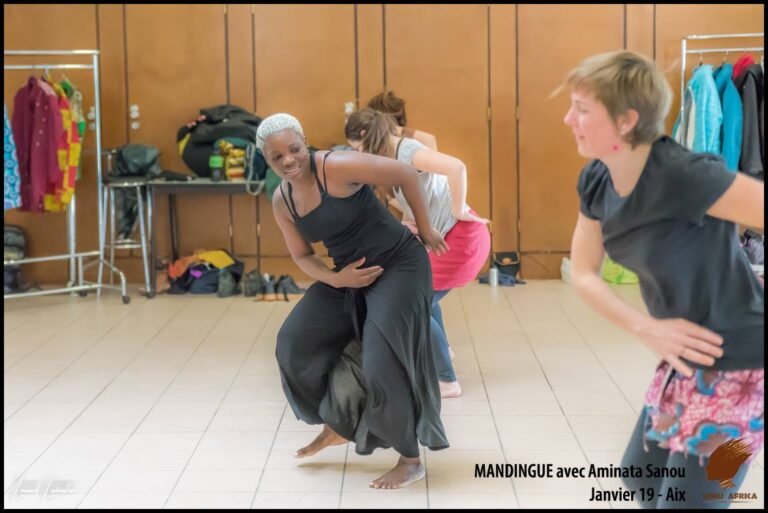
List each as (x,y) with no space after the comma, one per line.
(726,461)
(724,464)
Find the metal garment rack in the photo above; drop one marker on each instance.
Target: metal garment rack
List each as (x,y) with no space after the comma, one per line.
(685,51)
(76,265)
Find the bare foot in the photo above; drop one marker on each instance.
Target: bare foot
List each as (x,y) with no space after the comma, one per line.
(449,389)
(326,438)
(450,353)
(407,471)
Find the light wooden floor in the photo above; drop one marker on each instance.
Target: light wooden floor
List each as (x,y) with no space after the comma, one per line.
(176,402)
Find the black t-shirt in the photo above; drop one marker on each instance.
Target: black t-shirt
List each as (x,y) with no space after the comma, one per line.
(690,265)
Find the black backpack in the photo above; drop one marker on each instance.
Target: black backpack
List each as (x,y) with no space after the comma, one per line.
(137,160)
(197,139)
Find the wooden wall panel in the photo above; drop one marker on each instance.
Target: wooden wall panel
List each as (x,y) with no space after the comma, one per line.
(241,71)
(170,82)
(503,128)
(640,20)
(370,51)
(272,242)
(113,75)
(553,39)
(541,266)
(437,60)
(308,71)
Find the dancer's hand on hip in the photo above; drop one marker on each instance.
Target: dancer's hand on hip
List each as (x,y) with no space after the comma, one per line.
(434,241)
(678,339)
(353,277)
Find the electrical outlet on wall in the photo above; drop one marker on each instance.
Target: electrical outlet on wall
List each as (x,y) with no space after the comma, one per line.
(349,108)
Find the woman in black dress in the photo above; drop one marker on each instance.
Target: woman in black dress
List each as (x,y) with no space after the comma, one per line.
(378,293)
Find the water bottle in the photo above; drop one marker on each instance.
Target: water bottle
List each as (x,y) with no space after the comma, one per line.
(493,277)
(216,167)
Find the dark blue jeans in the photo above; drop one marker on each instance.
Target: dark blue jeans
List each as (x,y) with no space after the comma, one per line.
(445,371)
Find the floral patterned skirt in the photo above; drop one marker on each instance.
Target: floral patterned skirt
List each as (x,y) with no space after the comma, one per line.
(698,414)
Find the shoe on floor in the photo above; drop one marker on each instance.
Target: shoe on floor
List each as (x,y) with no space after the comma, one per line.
(289,285)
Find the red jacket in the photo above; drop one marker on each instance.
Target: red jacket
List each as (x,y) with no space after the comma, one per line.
(743,63)
(37,129)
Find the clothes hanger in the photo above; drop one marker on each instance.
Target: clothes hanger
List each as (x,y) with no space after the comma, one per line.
(701,61)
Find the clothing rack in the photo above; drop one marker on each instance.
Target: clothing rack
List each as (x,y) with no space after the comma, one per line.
(77,267)
(684,51)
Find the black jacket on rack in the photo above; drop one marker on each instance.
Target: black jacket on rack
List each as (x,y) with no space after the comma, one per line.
(750,87)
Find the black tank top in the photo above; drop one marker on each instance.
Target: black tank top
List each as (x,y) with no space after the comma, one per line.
(351,228)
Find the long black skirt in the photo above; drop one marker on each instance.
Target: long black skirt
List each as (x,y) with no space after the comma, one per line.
(360,361)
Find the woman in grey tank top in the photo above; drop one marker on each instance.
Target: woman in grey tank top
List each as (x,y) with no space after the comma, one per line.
(444,179)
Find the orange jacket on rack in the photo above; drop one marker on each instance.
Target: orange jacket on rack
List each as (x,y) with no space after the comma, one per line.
(58,197)
(76,106)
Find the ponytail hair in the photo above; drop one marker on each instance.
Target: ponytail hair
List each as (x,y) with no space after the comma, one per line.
(378,128)
(388,103)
